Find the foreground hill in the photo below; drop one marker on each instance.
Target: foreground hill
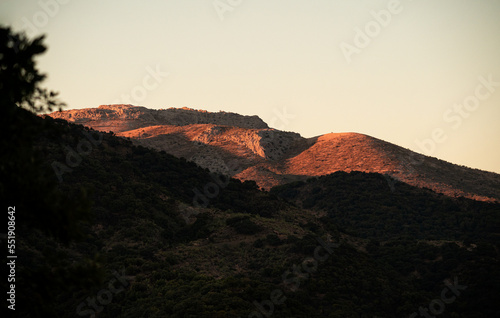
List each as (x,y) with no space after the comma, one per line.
(245,148)
(343,245)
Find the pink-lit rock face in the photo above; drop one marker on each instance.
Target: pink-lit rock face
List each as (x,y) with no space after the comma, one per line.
(246,148)
(118,118)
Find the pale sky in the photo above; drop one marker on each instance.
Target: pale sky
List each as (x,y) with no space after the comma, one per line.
(400,71)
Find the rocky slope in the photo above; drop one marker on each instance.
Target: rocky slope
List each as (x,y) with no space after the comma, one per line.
(246,148)
(118,118)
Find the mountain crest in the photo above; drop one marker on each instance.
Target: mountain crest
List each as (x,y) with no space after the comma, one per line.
(219,141)
(118,118)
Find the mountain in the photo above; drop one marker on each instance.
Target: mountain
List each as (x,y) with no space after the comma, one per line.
(100,226)
(245,147)
(340,245)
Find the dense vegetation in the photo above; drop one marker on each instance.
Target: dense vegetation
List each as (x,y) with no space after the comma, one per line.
(425,237)
(365,205)
(396,247)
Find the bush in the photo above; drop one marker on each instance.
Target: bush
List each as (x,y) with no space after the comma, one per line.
(243,225)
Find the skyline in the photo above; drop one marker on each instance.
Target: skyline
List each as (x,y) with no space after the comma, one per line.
(407,72)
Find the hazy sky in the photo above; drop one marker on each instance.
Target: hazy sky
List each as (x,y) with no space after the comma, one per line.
(402,71)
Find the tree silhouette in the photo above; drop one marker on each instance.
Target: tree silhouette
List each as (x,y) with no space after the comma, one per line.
(28,184)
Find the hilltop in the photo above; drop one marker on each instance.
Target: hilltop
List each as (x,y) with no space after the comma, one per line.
(245,147)
(118,118)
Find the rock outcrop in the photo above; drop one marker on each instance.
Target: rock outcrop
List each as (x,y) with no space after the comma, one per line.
(118,118)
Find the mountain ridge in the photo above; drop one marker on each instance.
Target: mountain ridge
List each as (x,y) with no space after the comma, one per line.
(272,157)
(109,117)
